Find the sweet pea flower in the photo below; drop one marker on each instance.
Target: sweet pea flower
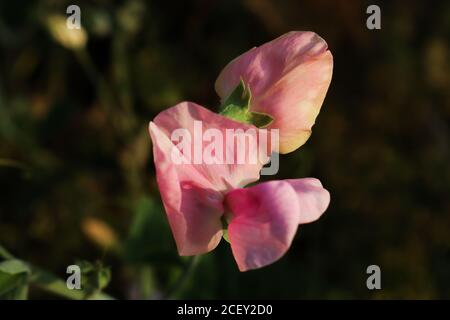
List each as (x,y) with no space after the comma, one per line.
(262,219)
(288,79)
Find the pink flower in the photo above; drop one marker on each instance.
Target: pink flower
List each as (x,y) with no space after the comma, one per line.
(288,79)
(263,219)
(193,193)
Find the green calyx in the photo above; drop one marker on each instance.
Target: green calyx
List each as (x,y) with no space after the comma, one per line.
(237,105)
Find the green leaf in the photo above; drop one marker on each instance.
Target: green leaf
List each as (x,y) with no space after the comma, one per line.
(8,282)
(13,287)
(14,266)
(95,276)
(103,278)
(51,283)
(14,279)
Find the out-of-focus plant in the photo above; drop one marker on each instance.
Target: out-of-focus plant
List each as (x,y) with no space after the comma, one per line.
(16,276)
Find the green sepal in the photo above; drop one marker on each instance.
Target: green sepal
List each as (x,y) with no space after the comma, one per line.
(260,120)
(236,107)
(240,97)
(225,235)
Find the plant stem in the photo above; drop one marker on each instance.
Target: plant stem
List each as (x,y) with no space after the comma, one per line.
(146,280)
(98,81)
(180,282)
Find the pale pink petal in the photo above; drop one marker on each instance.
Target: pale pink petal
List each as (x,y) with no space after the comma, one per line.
(222,176)
(192,205)
(192,193)
(264,220)
(288,78)
(313,199)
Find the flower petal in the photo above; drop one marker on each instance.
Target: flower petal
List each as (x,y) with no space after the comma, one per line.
(264,220)
(288,78)
(192,206)
(192,193)
(312,197)
(234,174)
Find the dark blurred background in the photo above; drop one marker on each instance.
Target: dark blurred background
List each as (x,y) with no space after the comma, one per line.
(77,179)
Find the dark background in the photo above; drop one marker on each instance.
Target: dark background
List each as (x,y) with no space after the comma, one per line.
(76,170)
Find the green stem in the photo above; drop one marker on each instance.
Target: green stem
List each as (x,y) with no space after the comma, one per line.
(106,95)
(98,81)
(181,281)
(147,282)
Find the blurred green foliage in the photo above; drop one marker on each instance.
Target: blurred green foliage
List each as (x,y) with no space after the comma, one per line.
(14,279)
(76,174)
